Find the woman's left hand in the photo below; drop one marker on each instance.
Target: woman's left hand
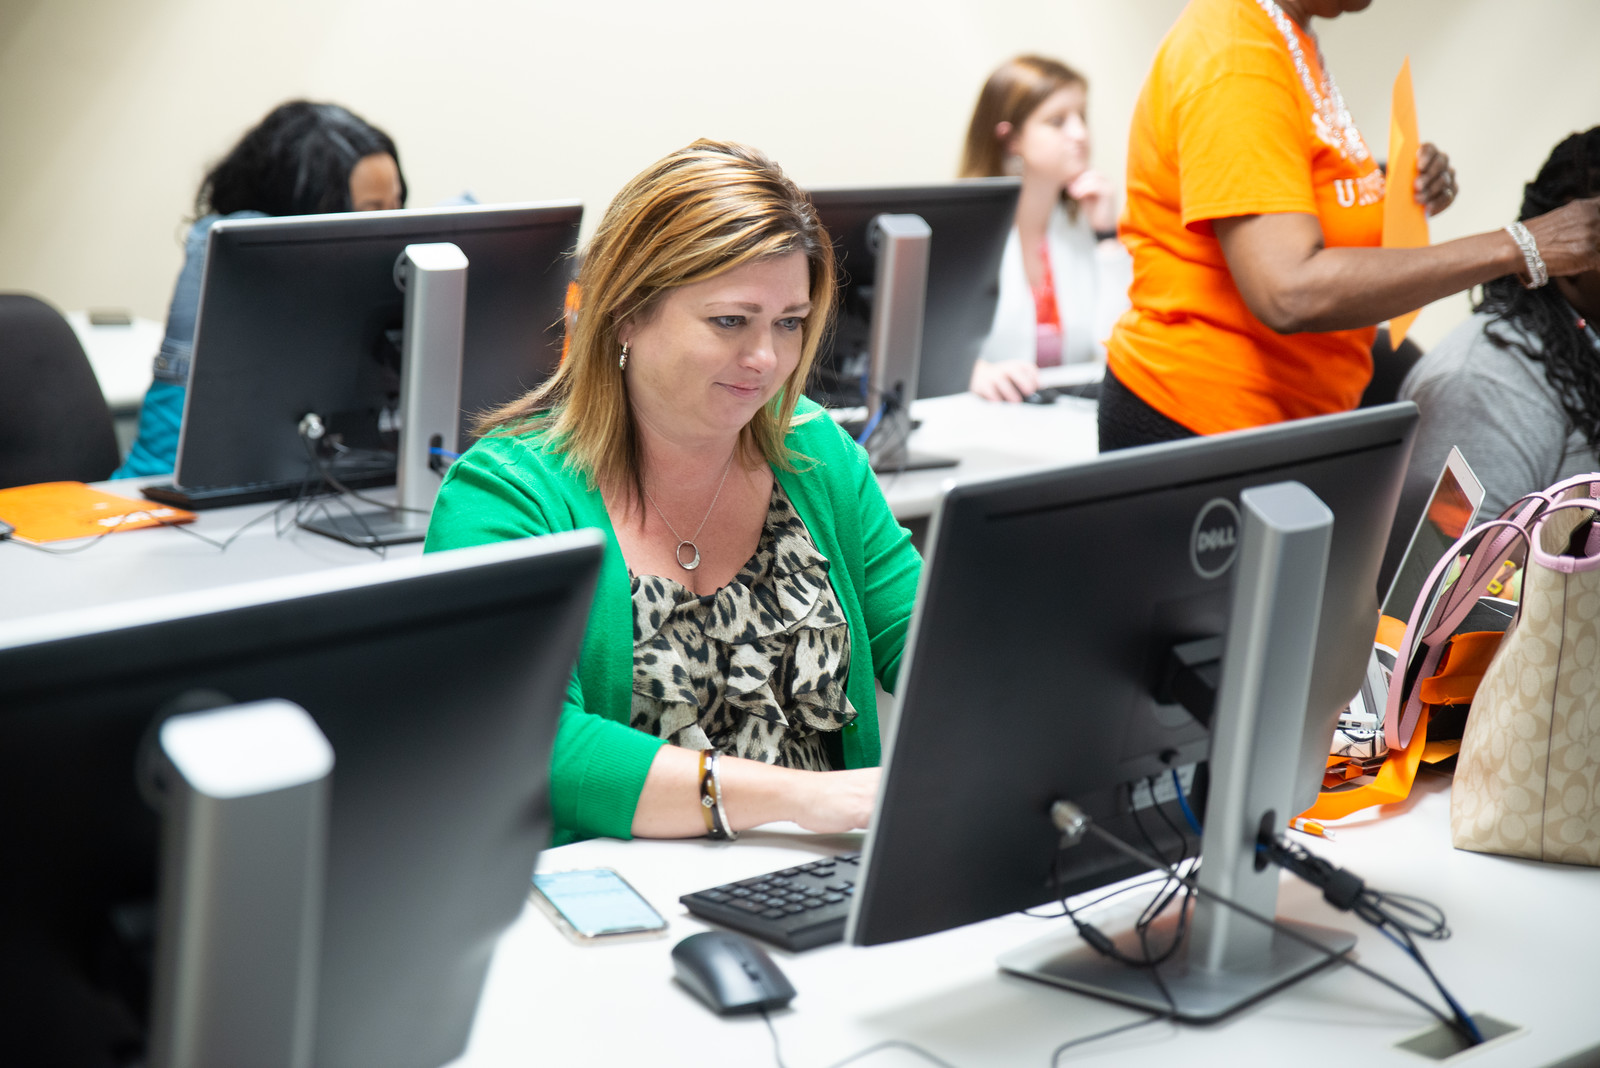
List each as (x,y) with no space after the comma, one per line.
(1436,180)
(1094,191)
(834,801)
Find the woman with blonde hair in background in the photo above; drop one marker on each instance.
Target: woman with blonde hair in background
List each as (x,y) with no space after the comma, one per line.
(755,583)
(1063,276)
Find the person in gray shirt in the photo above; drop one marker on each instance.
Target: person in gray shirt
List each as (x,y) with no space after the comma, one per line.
(1517,386)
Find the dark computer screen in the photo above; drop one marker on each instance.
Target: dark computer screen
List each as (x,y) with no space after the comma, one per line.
(1049,607)
(303,315)
(438,681)
(970,221)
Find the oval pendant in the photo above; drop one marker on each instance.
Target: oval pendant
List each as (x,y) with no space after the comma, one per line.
(694,562)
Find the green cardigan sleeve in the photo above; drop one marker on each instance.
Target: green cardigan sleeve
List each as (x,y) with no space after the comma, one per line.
(507,488)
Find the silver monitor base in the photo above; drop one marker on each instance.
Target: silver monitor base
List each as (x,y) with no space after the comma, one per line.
(369,530)
(1199,996)
(910,461)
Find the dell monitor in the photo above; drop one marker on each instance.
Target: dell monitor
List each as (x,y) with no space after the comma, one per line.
(1040,661)
(438,681)
(301,316)
(970,221)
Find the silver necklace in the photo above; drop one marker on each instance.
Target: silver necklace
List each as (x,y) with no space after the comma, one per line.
(677,553)
(1332,120)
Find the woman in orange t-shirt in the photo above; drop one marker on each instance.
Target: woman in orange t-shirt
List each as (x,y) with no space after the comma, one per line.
(1253,212)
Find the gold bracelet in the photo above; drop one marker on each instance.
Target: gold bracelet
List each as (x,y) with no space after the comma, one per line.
(708,801)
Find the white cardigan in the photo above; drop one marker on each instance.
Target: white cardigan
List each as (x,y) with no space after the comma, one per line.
(1091,283)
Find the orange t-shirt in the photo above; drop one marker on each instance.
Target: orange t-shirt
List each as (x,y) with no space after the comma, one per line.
(1224,127)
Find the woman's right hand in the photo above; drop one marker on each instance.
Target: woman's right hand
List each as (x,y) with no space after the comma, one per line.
(1569,237)
(1007,380)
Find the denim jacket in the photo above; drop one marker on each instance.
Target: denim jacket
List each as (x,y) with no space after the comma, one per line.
(155,450)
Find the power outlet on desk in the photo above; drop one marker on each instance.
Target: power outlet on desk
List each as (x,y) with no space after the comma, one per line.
(1441,1043)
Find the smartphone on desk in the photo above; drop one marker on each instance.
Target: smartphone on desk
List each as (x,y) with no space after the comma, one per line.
(594,904)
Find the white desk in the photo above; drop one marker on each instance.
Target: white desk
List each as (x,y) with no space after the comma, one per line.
(990,439)
(1525,950)
(130,564)
(121,357)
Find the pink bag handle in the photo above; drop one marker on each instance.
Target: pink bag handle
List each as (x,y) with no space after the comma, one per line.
(1514,524)
(1564,563)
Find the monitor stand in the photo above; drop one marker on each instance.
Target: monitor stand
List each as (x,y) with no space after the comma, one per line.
(243,793)
(1231,960)
(434,278)
(900,290)
(887,448)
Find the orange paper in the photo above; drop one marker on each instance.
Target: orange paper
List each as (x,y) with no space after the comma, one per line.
(1393,781)
(1405,222)
(56,511)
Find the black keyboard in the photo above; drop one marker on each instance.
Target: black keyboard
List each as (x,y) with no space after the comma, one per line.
(796,908)
(199,498)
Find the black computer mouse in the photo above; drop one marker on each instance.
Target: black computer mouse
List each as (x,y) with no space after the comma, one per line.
(1042,396)
(730,973)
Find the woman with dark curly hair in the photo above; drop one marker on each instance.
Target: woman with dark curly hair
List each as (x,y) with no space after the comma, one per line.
(302,159)
(1517,386)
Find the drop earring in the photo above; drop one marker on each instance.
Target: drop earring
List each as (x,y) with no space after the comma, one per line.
(622,361)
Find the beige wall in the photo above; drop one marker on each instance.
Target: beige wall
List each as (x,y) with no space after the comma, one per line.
(110,111)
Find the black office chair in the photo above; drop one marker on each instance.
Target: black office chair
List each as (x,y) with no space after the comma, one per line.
(1389,368)
(54,422)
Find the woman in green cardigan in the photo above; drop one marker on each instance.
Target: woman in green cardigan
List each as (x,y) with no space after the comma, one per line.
(755,583)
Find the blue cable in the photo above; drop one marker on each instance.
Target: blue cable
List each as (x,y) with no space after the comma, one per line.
(1461,1014)
(1183,803)
(872,424)
(437,451)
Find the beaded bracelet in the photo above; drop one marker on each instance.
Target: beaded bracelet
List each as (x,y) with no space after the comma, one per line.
(1537,274)
(711,798)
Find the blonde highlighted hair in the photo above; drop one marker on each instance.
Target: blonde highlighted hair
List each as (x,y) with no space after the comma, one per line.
(1012,93)
(698,212)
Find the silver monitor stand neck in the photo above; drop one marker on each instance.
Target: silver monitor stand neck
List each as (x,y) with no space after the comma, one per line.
(434,278)
(244,799)
(899,294)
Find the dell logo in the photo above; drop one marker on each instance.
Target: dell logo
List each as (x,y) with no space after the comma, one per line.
(1220,538)
(1214,540)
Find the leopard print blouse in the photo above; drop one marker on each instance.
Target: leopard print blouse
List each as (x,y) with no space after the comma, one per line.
(756,669)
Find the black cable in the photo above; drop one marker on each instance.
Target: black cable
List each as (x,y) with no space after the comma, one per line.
(1055,1056)
(1395,916)
(331,479)
(1287,932)
(90,544)
(222,546)
(777,1047)
(1137,884)
(893,1043)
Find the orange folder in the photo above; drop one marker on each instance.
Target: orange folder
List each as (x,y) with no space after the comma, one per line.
(1405,222)
(56,511)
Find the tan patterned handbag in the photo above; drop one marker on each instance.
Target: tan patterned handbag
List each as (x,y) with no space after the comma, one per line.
(1527,783)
